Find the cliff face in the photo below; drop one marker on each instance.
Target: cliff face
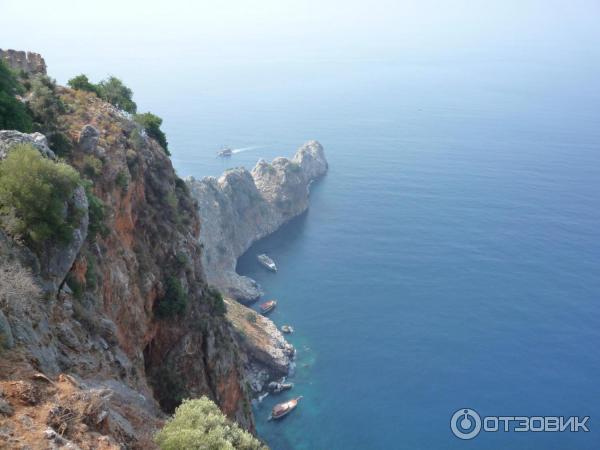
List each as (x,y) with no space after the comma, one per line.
(242,207)
(85,316)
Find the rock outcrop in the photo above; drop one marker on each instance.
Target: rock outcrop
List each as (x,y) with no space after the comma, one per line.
(10,138)
(29,62)
(241,207)
(267,355)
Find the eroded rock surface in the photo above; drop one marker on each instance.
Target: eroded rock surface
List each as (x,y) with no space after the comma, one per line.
(267,355)
(100,330)
(241,207)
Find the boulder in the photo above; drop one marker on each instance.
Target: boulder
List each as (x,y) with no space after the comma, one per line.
(59,258)
(88,139)
(10,138)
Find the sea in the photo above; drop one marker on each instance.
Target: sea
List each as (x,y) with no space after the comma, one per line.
(450,258)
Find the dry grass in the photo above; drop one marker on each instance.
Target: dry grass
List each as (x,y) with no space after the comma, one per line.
(17,286)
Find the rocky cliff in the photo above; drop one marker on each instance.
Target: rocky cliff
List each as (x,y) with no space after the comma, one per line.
(241,207)
(29,62)
(266,354)
(89,359)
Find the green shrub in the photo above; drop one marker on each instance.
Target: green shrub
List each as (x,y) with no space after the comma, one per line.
(82,83)
(91,277)
(216,302)
(181,261)
(174,301)
(122,180)
(45,104)
(251,317)
(13,113)
(111,90)
(200,425)
(115,92)
(96,214)
(33,194)
(132,161)
(92,166)
(60,144)
(151,124)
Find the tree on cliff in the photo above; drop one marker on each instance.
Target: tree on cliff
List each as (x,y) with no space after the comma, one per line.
(82,83)
(33,193)
(199,424)
(151,123)
(13,114)
(114,91)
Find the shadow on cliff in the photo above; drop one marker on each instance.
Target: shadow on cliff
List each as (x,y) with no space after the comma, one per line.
(283,242)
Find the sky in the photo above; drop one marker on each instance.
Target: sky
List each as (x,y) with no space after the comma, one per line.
(157,47)
(227,30)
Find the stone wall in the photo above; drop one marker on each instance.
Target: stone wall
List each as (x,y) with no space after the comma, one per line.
(29,62)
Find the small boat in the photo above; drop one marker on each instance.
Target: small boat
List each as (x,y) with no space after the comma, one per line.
(283,409)
(267,262)
(287,329)
(225,152)
(276,387)
(267,307)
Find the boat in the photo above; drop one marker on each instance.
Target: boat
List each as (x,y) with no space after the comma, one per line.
(287,329)
(276,387)
(283,409)
(225,152)
(267,262)
(267,307)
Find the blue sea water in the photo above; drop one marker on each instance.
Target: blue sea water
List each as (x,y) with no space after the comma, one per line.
(450,258)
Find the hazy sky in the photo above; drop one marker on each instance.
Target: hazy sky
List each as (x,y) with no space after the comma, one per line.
(280,29)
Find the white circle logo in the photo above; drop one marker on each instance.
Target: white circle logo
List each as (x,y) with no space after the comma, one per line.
(465,423)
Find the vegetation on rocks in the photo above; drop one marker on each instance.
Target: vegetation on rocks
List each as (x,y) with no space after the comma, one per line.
(13,114)
(118,94)
(200,425)
(174,301)
(82,83)
(151,124)
(216,302)
(33,196)
(96,212)
(112,90)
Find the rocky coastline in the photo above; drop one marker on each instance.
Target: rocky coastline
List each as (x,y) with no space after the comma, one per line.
(241,207)
(237,209)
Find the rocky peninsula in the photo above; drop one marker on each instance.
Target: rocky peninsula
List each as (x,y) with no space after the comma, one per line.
(241,207)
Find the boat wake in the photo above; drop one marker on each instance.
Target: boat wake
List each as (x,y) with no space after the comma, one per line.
(246,149)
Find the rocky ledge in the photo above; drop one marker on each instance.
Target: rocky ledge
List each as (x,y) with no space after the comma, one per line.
(267,355)
(241,207)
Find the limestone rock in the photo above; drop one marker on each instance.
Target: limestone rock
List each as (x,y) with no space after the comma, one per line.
(59,257)
(268,356)
(10,138)
(6,337)
(241,207)
(88,139)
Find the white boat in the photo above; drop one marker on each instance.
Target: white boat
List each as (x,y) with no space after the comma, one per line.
(267,262)
(225,152)
(283,409)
